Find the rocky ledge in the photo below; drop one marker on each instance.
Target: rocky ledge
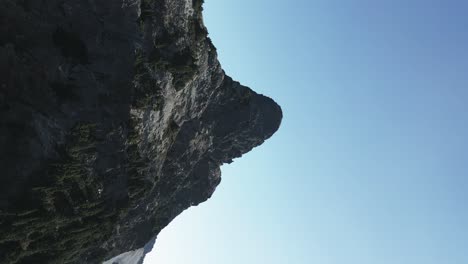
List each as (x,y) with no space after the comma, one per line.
(115,116)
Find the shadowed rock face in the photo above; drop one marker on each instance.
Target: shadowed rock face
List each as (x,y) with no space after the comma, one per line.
(115,116)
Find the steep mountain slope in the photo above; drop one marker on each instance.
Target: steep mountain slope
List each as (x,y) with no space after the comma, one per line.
(115,116)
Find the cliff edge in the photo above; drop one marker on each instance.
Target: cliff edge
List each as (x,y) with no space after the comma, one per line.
(115,116)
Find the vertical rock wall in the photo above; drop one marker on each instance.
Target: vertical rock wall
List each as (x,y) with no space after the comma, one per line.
(115,116)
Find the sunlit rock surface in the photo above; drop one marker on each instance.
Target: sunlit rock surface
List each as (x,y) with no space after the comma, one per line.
(115,116)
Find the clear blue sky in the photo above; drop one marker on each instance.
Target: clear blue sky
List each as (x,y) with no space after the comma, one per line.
(370,165)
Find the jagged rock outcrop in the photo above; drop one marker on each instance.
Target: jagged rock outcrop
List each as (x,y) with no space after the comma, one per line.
(115,116)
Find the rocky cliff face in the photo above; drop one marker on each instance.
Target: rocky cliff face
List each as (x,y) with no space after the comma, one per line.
(115,116)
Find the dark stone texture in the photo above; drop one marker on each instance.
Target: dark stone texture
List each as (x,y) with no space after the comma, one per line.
(115,116)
